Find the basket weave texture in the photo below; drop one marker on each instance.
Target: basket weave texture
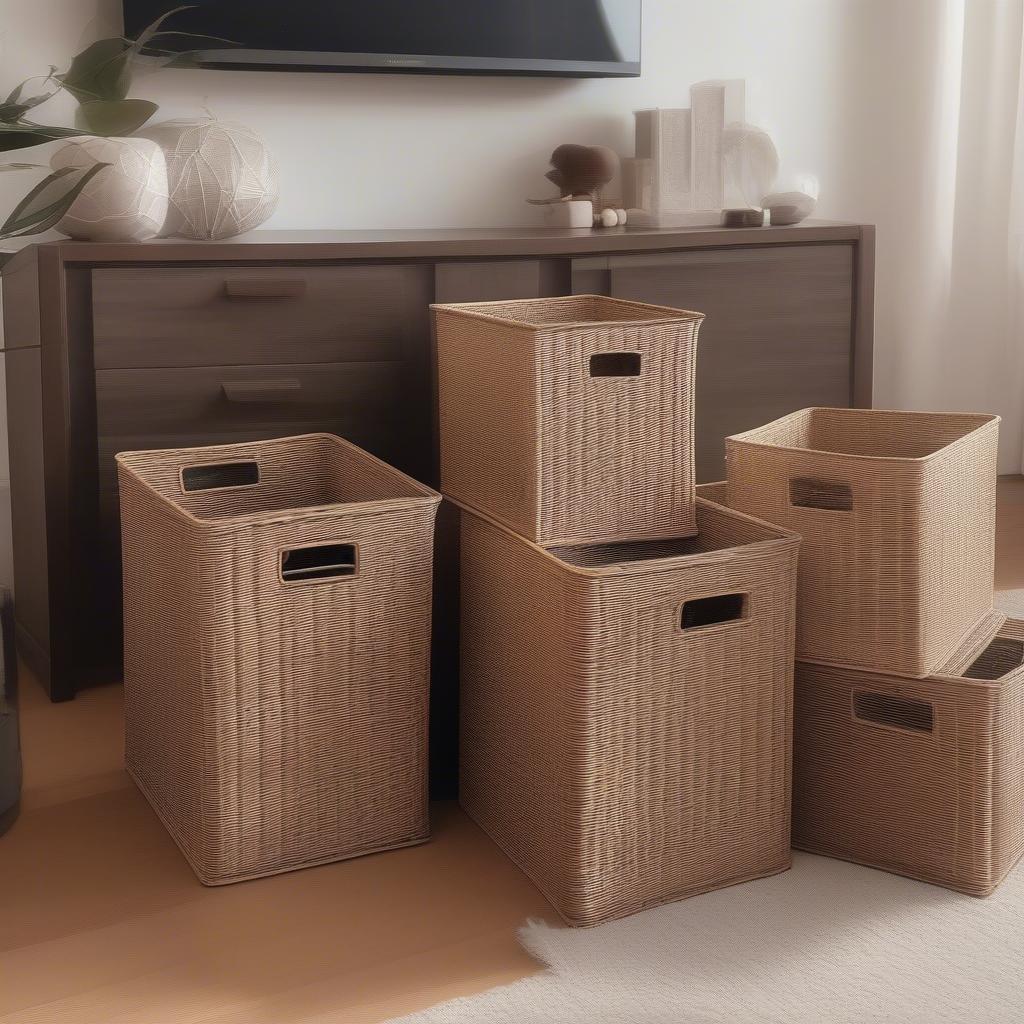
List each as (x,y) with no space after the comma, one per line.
(621,760)
(897,515)
(570,420)
(277,720)
(921,777)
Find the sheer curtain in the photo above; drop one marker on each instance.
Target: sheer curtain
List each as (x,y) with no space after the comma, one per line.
(947,192)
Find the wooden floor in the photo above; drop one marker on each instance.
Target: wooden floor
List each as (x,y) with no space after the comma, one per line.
(101,921)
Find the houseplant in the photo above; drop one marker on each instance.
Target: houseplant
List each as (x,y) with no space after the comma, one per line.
(99,78)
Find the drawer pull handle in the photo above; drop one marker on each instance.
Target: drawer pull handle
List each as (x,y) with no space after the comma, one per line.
(893,712)
(261,390)
(323,562)
(265,291)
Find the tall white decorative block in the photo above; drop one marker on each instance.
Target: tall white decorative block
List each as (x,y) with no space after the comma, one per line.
(714,105)
(663,137)
(637,183)
(223,179)
(125,202)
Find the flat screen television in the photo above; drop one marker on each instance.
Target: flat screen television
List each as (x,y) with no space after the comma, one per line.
(566,38)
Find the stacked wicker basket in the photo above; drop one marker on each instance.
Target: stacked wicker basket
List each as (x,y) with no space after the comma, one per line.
(909,694)
(627,648)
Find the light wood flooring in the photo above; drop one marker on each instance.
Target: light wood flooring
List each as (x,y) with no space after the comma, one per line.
(102,922)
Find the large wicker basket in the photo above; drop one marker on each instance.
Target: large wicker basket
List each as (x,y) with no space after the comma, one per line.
(626,709)
(897,515)
(569,420)
(277,632)
(922,777)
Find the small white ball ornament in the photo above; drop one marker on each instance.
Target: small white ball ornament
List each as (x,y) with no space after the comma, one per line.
(223,179)
(125,202)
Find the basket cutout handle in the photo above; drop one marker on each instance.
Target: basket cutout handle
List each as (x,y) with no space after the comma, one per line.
(829,495)
(220,476)
(615,364)
(319,562)
(1002,656)
(916,716)
(712,611)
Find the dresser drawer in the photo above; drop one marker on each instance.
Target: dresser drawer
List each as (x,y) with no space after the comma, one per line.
(211,316)
(370,404)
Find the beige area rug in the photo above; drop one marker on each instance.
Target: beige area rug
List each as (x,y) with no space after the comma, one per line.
(825,943)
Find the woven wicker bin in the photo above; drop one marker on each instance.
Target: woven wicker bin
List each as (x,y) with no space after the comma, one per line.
(897,515)
(620,759)
(569,420)
(921,777)
(277,620)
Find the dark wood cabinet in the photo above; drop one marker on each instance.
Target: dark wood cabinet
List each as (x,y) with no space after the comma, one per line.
(113,347)
(777,332)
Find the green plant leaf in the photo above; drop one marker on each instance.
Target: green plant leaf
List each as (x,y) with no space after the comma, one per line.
(25,134)
(44,206)
(17,105)
(102,71)
(152,29)
(21,167)
(113,117)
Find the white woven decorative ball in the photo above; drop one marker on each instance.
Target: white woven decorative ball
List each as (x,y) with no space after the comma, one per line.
(223,179)
(126,202)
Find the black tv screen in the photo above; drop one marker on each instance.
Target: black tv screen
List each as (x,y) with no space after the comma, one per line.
(569,38)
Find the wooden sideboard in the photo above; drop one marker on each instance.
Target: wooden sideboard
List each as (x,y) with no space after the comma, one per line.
(111,347)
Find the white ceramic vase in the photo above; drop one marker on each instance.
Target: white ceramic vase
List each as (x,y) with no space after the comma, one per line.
(751,164)
(125,202)
(222,177)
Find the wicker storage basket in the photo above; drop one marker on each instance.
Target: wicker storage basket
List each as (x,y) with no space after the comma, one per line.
(897,515)
(922,777)
(626,709)
(569,420)
(277,621)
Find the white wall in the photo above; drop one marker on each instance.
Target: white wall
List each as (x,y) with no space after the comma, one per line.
(424,151)
(827,78)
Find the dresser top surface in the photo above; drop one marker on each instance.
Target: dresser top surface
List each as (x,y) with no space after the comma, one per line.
(429,243)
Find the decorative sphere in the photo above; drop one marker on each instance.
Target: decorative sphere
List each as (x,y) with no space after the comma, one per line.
(789,207)
(608,218)
(223,179)
(125,202)
(621,217)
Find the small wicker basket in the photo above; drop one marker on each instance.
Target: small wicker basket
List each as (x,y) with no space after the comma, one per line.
(921,777)
(277,632)
(626,709)
(897,515)
(569,420)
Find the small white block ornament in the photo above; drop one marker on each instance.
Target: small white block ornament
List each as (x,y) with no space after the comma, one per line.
(223,179)
(125,202)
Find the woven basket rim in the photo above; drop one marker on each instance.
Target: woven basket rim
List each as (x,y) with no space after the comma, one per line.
(478,310)
(1009,629)
(783,539)
(424,496)
(754,438)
